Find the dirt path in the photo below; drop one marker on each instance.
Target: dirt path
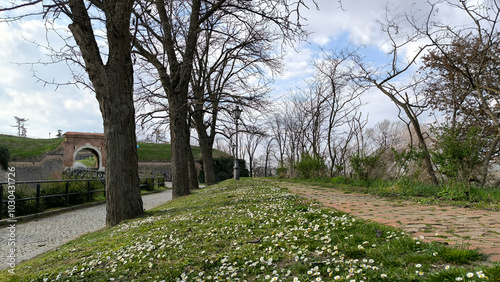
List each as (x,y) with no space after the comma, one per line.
(453,225)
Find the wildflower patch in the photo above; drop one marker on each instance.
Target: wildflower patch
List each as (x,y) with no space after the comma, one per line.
(248,231)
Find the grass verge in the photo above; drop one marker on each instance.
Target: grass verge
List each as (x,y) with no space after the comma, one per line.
(251,231)
(454,194)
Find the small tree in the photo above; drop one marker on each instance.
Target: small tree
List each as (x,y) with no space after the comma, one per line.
(4,157)
(458,152)
(363,165)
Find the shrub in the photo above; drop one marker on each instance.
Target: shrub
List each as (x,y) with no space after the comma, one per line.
(224,169)
(310,166)
(458,152)
(282,172)
(22,207)
(363,165)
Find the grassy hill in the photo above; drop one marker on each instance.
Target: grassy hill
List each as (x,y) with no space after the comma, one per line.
(22,149)
(28,148)
(252,230)
(163,152)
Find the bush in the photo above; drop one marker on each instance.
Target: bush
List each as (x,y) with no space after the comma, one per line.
(22,207)
(310,166)
(282,172)
(224,169)
(77,189)
(4,157)
(458,152)
(363,165)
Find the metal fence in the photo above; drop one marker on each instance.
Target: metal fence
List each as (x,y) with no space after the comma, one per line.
(38,192)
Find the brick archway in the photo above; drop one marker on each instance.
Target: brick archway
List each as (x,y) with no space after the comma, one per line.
(75,142)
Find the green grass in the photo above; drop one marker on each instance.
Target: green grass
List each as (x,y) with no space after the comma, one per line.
(28,148)
(22,149)
(163,152)
(251,230)
(89,162)
(455,194)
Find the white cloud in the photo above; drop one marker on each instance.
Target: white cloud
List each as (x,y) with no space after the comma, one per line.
(72,109)
(21,94)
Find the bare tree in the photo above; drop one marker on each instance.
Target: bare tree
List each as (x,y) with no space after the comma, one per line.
(21,126)
(385,80)
(168,36)
(226,61)
(253,138)
(280,135)
(111,75)
(470,53)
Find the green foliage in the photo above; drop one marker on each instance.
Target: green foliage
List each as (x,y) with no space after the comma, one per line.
(282,171)
(77,190)
(458,152)
(224,169)
(310,166)
(24,207)
(363,165)
(404,158)
(4,157)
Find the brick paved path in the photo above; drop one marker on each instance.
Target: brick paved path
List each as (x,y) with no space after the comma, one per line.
(453,225)
(39,236)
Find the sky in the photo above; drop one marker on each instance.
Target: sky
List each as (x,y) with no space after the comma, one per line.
(49,108)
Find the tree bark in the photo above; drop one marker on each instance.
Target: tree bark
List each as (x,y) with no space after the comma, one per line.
(208,160)
(486,163)
(193,175)
(179,134)
(113,83)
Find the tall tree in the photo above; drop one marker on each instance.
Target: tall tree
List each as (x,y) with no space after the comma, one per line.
(168,36)
(385,79)
(229,68)
(468,54)
(111,75)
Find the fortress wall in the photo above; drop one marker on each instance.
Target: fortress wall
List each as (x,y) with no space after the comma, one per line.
(50,167)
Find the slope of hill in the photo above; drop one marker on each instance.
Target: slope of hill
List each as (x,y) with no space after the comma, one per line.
(23,149)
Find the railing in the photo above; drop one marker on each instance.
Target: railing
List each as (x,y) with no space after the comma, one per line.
(39,193)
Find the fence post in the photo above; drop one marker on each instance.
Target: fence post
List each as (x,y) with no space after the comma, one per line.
(38,197)
(88,191)
(67,192)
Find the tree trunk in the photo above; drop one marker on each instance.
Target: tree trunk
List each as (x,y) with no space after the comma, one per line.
(206,145)
(193,176)
(114,85)
(489,155)
(208,161)
(179,134)
(423,145)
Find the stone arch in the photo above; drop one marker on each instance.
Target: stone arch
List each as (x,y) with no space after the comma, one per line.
(94,150)
(75,142)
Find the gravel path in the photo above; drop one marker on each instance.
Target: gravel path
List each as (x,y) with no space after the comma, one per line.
(41,235)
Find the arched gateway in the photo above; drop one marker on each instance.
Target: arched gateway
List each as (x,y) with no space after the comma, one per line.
(76,142)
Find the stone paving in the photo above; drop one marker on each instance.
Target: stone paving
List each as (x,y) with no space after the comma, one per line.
(41,235)
(451,225)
